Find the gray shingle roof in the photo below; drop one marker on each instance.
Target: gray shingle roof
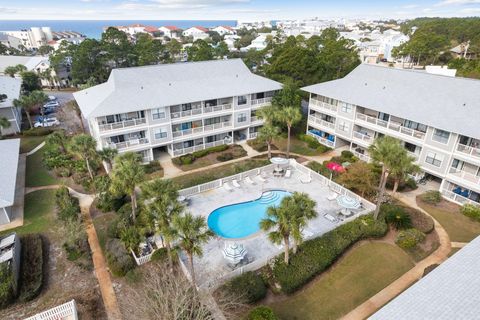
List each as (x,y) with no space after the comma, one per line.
(443,102)
(8,170)
(11,87)
(140,88)
(30,62)
(448,292)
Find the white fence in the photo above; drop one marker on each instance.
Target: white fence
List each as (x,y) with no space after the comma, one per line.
(64,311)
(143,259)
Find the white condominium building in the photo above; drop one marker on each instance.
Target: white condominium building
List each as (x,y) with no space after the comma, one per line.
(436,117)
(176,108)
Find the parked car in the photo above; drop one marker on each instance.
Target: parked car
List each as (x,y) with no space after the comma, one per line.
(49,110)
(47,122)
(53,104)
(52,98)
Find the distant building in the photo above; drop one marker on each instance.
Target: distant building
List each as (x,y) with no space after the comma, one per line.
(8,177)
(223,30)
(11,88)
(134,29)
(32,38)
(10,249)
(259,43)
(196,33)
(464,50)
(10,41)
(171,31)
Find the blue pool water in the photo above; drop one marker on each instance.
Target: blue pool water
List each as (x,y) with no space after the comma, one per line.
(243,219)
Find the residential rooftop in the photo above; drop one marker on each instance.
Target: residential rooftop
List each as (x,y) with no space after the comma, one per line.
(11,87)
(443,102)
(29,62)
(8,170)
(139,88)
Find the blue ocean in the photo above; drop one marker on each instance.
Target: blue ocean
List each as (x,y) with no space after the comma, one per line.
(94,28)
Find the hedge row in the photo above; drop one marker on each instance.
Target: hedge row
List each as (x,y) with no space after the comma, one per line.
(249,286)
(31,269)
(316,255)
(191,157)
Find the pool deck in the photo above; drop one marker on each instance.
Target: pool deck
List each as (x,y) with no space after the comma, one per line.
(211,269)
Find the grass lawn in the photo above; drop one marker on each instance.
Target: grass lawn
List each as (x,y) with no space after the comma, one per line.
(298,146)
(459,227)
(192,179)
(101,224)
(360,274)
(36,173)
(28,143)
(236,151)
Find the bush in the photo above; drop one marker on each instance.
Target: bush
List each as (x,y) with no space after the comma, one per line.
(261,313)
(6,285)
(120,261)
(248,285)
(37,132)
(411,184)
(31,269)
(152,167)
(191,157)
(68,206)
(258,145)
(432,197)
(471,211)
(396,217)
(347,155)
(408,239)
(160,255)
(311,141)
(316,255)
(225,157)
(420,220)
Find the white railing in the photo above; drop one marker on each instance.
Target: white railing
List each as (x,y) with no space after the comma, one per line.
(122,124)
(129,143)
(361,156)
(458,198)
(468,150)
(210,127)
(391,126)
(323,105)
(143,259)
(253,135)
(363,137)
(256,120)
(182,151)
(314,119)
(323,141)
(186,113)
(222,107)
(63,311)
(470,177)
(261,102)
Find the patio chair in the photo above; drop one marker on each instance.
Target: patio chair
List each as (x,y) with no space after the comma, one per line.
(288,173)
(332,196)
(249,180)
(227,187)
(330,218)
(306,179)
(235,183)
(262,179)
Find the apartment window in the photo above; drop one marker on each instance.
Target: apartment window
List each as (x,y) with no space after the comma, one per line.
(160,133)
(343,126)
(347,107)
(241,100)
(242,117)
(415,125)
(441,136)
(434,159)
(158,113)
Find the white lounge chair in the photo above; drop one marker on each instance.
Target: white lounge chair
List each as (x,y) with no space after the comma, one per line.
(249,180)
(306,179)
(235,183)
(262,179)
(227,187)
(332,196)
(288,173)
(330,218)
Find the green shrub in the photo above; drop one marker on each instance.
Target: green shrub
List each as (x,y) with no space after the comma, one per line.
(152,167)
(160,255)
(120,261)
(471,211)
(248,285)
(408,239)
(225,157)
(396,216)
(311,141)
(347,155)
(432,197)
(420,220)
(68,206)
(187,159)
(258,145)
(411,184)
(6,285)
(316,255)
(31,269)
(37,132)
(261,313)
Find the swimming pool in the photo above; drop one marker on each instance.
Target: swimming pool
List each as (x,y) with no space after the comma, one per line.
(243,219)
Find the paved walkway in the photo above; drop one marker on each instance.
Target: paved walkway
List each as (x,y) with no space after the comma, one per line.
(250,151)
(398,286)
(459,244)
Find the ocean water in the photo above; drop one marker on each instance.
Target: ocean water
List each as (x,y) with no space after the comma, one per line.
(94,28)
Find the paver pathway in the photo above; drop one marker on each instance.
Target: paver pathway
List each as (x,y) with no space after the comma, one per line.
(459,244)
(398,286)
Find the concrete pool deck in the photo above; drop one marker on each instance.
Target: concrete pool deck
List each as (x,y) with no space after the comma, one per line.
(211,269)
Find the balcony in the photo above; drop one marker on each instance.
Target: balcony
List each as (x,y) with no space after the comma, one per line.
(253,135)
(458,198)
(317,120)
(323,105)
(468,150)
(122,124)
(256,120)
(393,126)
(361,156)
(363,137)
(257,103)
(128,144)
(322,140)
(199,130)
(182,151)
(465,176)
(222,107)
(414,155)
(199,111)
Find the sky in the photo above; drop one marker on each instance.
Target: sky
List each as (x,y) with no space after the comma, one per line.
(242,10)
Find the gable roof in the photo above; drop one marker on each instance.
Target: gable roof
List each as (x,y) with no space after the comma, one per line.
(11,87)
(140,88)
(29,62)
(150,29)
(450,291)
(442,102)
(171,28)
(200,28)
(8,170)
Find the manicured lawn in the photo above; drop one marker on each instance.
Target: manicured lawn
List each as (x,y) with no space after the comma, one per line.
(236,152)
(37,174)
(28,143)
(459,227)
(298,146)
(101,224)
(362,273)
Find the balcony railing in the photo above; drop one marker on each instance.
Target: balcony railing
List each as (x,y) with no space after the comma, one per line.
(253,135)
(129,143)
(412,154)
(256,120)
(458,198)
(361,156)
(391,126)
(323,105)
(182,151)
(261,102)
(321,122)
(468,150)
(192,131)
(323,141)
(122,124)
(222,107)
(199,111)
(362,136)
(470,177)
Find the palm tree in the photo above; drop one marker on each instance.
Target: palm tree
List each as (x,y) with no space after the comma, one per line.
(303,207)
(268,133)
(58,138)
(130,238)
(78,112)
(290,116)
(163,206)
(85,146)
(107,155)
(11,71)
(31,102)
(192,232)
(384,151)
(402,167)
(127,173)
(4,123)
(281,220)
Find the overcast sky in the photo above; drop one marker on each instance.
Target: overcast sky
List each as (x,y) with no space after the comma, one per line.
(243,10)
